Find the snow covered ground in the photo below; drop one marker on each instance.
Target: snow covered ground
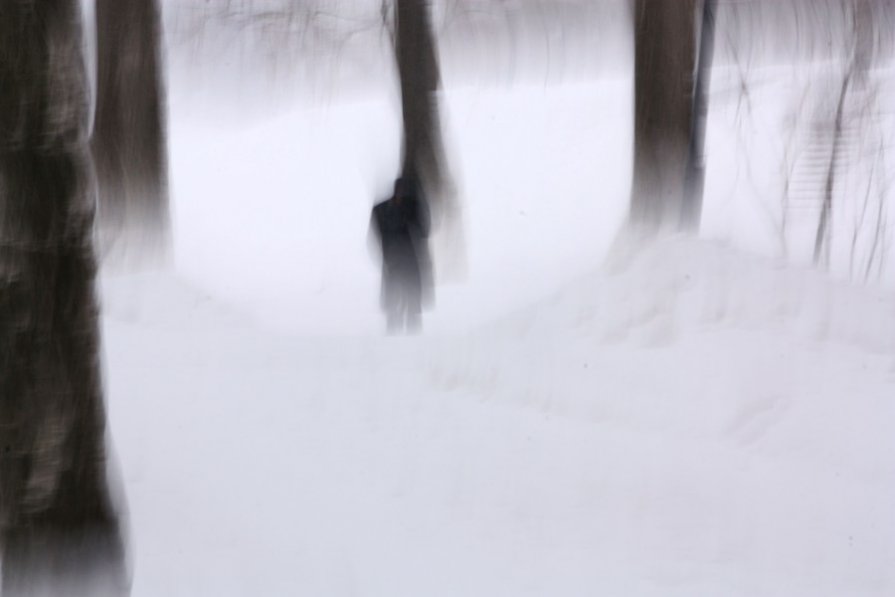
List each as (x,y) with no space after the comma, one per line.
(578,418)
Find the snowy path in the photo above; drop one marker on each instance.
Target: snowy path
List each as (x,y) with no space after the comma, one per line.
(597,444)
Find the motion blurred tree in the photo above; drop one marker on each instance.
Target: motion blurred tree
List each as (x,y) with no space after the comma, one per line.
(423,155)
(129,141)
(59,534)
(861,47)
(666,192)
(423,152)
(694,178)
(419,78)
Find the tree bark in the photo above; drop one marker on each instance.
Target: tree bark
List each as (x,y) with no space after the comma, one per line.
(59,533)
(129,141)
(423,151)
(664,61)
(423,158)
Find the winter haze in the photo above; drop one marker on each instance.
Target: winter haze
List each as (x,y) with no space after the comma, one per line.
(621,322)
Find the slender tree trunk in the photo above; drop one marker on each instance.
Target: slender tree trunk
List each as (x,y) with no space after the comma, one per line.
(664,62)
(129,142)
(694,181)
(854,80)
(423,151)
(419,78)
(822,237)
(59,534)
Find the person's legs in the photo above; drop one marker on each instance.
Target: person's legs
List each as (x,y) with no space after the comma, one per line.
(393,320)
(413,306)
(403,300)
(413,323)
(391,301)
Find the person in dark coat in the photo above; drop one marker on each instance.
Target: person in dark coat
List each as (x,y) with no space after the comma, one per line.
(401,226)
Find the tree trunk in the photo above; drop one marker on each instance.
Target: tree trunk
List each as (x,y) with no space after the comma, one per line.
(694,181)
(419,78)
(664,61)
(423,151)
(856,70)
(58,531)
(129,146)
(822,237)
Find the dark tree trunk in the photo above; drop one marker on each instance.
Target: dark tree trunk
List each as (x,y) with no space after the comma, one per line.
(129,145)
(419,78)
(59,534)
(423,151)
(664,61)
(694,181)
(822,236)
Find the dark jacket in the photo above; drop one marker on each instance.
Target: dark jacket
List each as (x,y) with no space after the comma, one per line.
(402,229)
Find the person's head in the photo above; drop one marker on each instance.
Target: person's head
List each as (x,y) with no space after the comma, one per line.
(401,189)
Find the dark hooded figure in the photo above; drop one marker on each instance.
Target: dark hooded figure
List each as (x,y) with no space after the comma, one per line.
(401,225)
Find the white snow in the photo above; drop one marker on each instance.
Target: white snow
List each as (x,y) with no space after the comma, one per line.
(578,418)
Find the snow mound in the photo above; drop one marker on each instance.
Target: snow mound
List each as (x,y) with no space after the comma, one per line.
(653,293)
